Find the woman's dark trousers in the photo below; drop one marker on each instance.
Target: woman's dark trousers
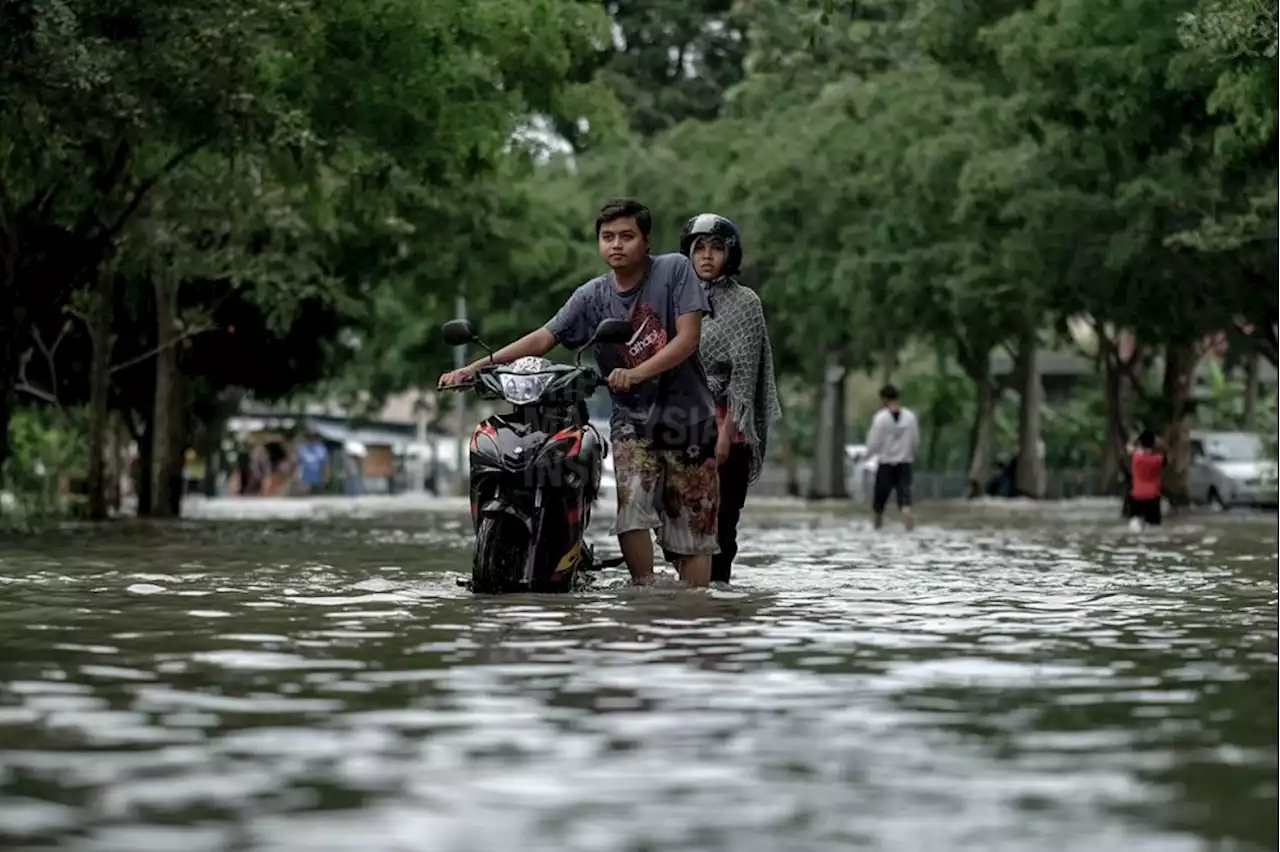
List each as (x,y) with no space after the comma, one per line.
(735,476)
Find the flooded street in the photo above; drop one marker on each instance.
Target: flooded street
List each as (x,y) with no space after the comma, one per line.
(1005,678)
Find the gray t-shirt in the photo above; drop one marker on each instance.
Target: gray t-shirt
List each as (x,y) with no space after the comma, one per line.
(674,408)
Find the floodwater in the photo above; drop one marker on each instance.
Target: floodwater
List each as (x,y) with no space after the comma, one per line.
(1002,679)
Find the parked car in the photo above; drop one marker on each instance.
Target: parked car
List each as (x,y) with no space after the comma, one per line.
(1231,469)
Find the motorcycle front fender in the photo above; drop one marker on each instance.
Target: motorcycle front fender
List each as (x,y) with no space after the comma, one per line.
(497,507)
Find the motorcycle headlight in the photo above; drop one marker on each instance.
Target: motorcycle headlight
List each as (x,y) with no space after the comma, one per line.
(520,389)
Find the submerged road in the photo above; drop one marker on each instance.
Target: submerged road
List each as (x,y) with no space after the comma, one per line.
(1008,677)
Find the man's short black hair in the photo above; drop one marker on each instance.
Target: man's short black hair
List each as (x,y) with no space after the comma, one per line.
(1147,439)
(888,392)
(625,208)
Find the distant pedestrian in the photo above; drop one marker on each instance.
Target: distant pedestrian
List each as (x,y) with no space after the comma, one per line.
(353,455)
(312,463)
(893,440)
(1146,471)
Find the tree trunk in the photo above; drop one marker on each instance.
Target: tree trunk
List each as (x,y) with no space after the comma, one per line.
(115,459)
(984,418)
(12,338)
(146,465)
(420,435)
(938,418)
(1115,403)
(212,467)
(1179,370)
(178,435)
(887,367)
(931,445)
(162,426)
(790,458)
(1027,368)
(1251,392)
(99,391)
(827,481)
(210,450)
(9,367)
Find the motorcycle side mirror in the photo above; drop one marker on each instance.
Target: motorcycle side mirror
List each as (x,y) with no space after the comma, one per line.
(613,331)
(458,332)
(608,331)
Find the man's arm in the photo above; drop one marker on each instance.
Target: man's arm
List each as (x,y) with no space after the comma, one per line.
(570,326)
(915,435)
(677,350)
(533,344)
(690,304)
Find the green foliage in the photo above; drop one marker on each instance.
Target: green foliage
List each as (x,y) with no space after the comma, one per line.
(942,400)
(48,449)
(326,177)
(1222,405)
(942,173)
(1231,30)
(1072,429)
(669,61)
(300,172)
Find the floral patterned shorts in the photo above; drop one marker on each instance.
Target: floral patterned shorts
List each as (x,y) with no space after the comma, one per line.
(676,492)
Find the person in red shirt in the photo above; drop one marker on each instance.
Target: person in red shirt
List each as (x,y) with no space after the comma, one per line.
(1146,466)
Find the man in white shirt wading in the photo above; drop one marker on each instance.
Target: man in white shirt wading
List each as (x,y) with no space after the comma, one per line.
(892,440)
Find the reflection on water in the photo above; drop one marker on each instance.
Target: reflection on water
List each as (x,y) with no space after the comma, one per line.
(1016,680)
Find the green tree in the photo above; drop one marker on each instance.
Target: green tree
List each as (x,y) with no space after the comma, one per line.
(103,102)
(1134,135)
(289,158)
(668,61)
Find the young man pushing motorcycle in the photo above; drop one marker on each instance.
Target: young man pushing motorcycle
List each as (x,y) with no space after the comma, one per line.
(663,423)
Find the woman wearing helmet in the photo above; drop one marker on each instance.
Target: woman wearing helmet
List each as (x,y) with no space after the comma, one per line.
(738,360)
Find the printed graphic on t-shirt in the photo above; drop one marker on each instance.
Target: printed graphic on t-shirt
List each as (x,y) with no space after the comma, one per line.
(648,338)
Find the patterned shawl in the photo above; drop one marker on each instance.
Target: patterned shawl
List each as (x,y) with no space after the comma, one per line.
(736,354)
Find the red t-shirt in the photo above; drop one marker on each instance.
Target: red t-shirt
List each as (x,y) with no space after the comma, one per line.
(1148,470)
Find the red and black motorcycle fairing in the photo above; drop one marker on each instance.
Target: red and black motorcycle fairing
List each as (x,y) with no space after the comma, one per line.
(535,473)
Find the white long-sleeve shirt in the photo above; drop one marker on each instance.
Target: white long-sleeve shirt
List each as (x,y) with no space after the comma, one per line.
(893,440)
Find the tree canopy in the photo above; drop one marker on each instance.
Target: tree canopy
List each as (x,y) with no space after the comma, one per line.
(289,197)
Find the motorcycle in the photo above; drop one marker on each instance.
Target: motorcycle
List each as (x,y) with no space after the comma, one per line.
(535,471)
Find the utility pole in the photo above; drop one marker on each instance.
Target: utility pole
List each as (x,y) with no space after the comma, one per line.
(420,471)
(460,361)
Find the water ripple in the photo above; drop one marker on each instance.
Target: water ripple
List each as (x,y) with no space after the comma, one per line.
(1008,677)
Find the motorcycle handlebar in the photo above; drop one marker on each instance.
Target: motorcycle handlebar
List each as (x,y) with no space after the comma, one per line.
(600,382)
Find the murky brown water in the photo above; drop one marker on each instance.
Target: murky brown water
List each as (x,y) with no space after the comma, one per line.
(1000,680)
